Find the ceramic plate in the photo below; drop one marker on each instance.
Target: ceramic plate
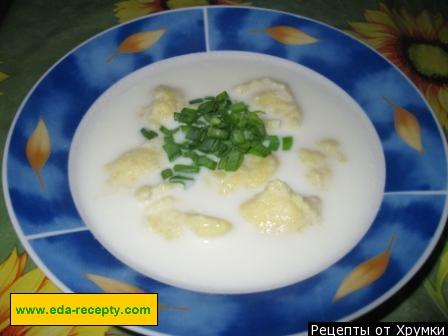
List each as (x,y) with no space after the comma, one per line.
(406,228)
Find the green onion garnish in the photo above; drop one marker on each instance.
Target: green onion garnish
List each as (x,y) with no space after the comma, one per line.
(180,179)
(166,173)
(259,150)
(238,107)
(172,150)
(206,162)
(196,101)
(273,142)
(216,134)
(223,96)
(238,136)
(287,142)
(148,134)
(168,132)
(187,115)
(194,133)
(206,107)
(180,168)
(207,145)
(234,160)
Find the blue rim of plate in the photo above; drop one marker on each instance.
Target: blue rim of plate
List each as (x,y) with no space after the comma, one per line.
(412,214)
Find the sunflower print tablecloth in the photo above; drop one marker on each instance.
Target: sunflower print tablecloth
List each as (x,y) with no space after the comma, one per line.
(35,34)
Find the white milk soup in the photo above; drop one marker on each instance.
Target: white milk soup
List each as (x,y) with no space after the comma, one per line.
(227,172)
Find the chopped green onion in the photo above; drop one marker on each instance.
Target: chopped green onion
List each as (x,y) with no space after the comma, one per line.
(244,147)
(223,96)
(238,107)
(250,135)
(172,150)
(287,142)
(217,133)
(234,160)
(166,173)
(148,134)
(223,150)
(192,155)
(238,136)
(185,128)
(215,121)
(187,115)
(206,162)
(222,162)
(188,146)
(194,133)
(168,138)
(206,107)
(196,101)
(273,142)
(259,150)
(207,145)
(167,131)
(180,179)
(180,168)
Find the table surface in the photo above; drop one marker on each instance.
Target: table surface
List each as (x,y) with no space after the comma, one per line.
(35,34)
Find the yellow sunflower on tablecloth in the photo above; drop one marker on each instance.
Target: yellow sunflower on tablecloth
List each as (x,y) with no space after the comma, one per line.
(130,9)
(14,280)
(417,44)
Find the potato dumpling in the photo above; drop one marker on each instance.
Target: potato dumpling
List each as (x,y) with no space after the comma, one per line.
(272,97)
(319,171)
(129,167)
(166,102)
(206,226)
(319,176)
(254,172)
(312,158)
(150,192)
(162,204)
(168,224)
(332,147)
(278,209)
(279,105)
(320,162)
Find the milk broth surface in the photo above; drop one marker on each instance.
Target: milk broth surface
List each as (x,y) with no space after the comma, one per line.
(244,260)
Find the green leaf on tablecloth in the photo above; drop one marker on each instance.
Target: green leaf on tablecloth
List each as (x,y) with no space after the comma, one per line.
(437,296)
(442,271)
